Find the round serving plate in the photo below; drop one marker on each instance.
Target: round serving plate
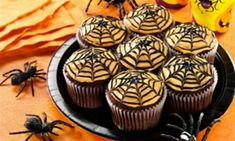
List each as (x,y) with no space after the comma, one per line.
(99,120)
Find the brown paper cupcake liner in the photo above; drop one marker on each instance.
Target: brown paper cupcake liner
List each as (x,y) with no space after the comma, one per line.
(85,96)
(135,120)
(191,103)
(210,56)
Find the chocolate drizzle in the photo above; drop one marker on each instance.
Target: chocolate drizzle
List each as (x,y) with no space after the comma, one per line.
(103,31)
(187,74)
(188,38)
(135,88)
(92,64)
(148,19)
(146,52)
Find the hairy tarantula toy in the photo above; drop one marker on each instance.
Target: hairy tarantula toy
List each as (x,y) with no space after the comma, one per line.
(209,5)
(35,125)
(188,133)
(118,4)
(19,76)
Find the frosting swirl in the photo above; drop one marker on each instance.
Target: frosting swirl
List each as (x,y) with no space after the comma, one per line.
(103,31)
(148,19)
(135,88)
(188,38)
(146,52)
(91,64)
(187,74)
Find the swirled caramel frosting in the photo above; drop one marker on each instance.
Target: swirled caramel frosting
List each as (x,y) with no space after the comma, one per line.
(135,88)
(191,38)
(103,31)
(91,65)
(148,19)
(145,52)
(187,74)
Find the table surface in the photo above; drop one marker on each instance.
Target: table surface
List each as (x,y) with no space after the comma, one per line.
(13,110)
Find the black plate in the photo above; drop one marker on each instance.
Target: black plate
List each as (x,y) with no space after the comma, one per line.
(99,120)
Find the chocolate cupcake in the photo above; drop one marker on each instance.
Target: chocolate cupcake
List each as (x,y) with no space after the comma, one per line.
(146,52)
(136,100)
(192,39)
(100,31)
(86,73)
(190,82)
(149,19)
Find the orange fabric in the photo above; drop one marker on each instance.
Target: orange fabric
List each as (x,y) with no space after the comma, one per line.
(39,45)
(11,10)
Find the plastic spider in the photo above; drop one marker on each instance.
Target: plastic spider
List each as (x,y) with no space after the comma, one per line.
(188,134)
(35,125)
(209,5)
(118,4)
(19,76)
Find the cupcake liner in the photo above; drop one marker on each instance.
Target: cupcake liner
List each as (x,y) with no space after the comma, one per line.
(134,119)
(85,96)
(210,56)
(191,103)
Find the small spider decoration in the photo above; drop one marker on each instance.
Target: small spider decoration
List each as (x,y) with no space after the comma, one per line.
(209,5)
(118,4)
(19,76)
(188,134)
(35,125)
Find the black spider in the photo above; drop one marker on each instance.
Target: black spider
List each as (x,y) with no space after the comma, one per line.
(209,5)
(19,76)
(118,4)
(35,125)
(188,134)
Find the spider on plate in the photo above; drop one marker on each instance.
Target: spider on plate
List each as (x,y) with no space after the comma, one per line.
(35,125)
(188,133)
(19,76)
(118,4)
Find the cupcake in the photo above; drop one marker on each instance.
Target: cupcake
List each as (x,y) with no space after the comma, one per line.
(86,73)
(100,31)
(136,100)
(190,82)
(149,19)
(145,52)
(192,39)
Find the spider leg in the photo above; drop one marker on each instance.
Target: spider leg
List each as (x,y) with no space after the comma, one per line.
(53,133)
(43,78)
(88,5)
(29,137)
(14,70)
(45,117)
(121,10)
(208,129)
(32,88)
(199,123)
(20,132)
(181,120)
(6,78)
(175,127)
(39,70)
(198,5)
(33,62)
(133,3)
(61,122)
(99,2)
(58,127)
(169,137)
(32,115)
(42,73)
(21,89)
(191,122)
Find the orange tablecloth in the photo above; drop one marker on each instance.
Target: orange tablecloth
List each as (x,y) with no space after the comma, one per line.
(13,110)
